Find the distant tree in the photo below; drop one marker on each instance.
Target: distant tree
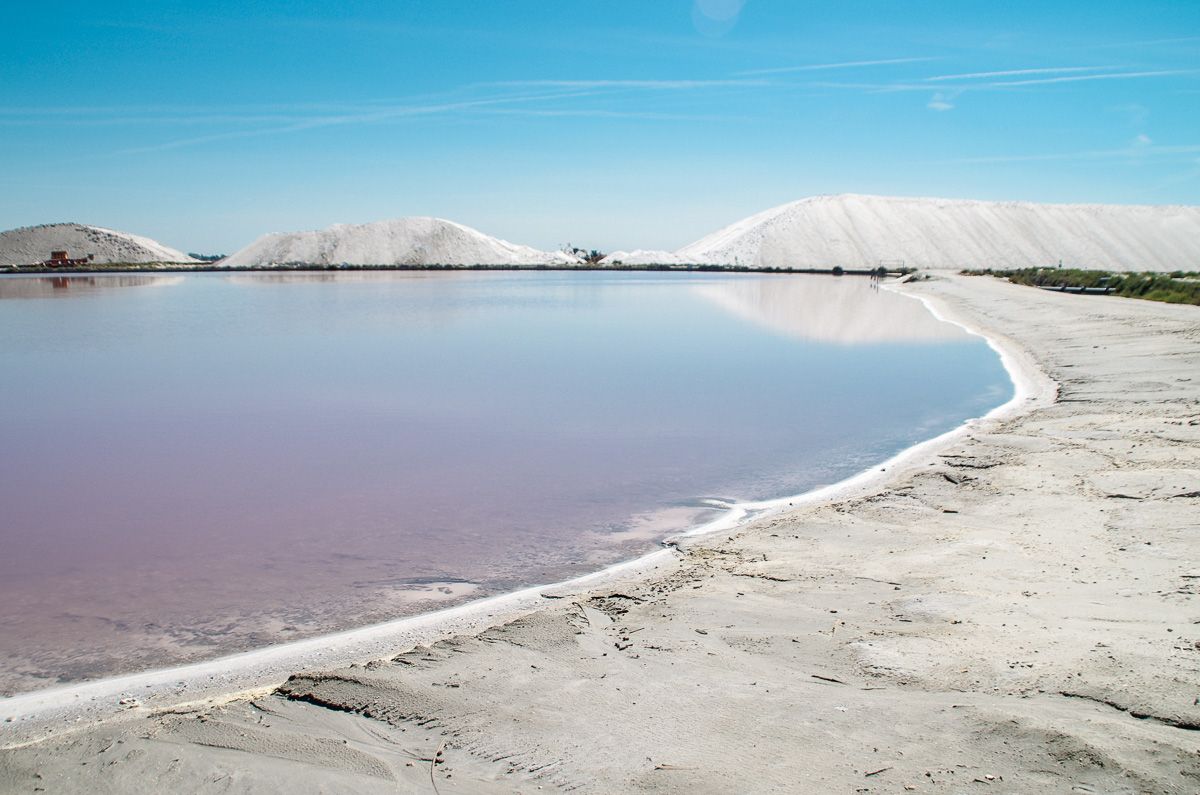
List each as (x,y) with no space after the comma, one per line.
(206,257)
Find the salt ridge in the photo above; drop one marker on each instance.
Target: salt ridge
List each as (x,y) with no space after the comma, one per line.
(856,231)
(401,241)
(32,244)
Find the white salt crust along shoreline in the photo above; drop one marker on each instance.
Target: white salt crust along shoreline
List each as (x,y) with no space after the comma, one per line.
(29,717)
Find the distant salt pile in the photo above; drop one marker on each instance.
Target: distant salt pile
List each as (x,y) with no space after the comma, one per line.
(641,257)
(403,241)
(33,244)
(864,231)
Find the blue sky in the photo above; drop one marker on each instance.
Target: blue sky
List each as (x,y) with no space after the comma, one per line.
(608,124)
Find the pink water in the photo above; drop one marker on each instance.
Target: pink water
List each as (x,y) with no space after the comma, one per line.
(193,465)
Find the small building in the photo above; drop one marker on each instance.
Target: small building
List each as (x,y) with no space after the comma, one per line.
(60,259)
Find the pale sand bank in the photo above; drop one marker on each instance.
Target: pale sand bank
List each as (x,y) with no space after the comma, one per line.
(1007,601)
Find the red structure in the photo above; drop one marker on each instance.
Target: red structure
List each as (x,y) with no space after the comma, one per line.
(59,259)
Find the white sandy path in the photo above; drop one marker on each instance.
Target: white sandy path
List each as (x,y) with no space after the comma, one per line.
(862,231)
(1010,608)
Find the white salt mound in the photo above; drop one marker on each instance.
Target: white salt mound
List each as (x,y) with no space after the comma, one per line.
(33,244)
(864,231)
(403,241)
(641,257)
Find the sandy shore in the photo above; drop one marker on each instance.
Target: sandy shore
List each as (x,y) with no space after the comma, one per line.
(1011,608)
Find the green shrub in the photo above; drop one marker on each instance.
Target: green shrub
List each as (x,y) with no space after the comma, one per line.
(1178,287)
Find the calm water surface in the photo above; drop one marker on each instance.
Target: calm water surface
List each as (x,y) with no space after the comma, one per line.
(192,465)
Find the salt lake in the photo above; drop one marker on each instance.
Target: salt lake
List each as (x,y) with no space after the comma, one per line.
(192,465)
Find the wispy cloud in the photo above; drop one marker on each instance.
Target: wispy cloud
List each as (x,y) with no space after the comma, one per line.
(721,10)
(189,113)
(1149,42)
(940,102)
(1080,78)
(551,98)
(599,113)
(875,88)
(368,117)
(1018,72)
(653,85)
(1174,179)
(814,67)
(1137,150)
(163,120)
(532,98)
(884,88)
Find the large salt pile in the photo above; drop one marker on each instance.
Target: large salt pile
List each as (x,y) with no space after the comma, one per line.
(403,241)
(864,231)
(33,244)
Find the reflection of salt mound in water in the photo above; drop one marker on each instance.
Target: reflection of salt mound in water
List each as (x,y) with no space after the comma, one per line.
(68,286)
(402,241)
(268,278)
(848,309)
(860,231)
